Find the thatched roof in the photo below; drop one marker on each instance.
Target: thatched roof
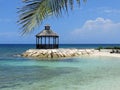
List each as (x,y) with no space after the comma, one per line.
(46,32)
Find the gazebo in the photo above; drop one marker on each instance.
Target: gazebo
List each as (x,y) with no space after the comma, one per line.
(47,39)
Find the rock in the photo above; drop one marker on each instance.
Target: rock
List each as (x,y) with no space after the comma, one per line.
(54,55)
(79,53)
(49,56)
(57,53)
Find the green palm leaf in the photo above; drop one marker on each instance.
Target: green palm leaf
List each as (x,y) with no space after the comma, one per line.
(36,11)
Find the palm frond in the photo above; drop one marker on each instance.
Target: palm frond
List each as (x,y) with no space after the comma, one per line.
(36,11)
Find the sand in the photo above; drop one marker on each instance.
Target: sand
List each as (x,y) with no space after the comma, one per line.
(105,53)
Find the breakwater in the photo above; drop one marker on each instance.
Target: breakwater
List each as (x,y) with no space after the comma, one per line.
(57,53)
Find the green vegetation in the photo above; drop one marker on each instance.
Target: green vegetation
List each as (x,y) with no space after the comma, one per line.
(115,47)
(99,48)
(36,11)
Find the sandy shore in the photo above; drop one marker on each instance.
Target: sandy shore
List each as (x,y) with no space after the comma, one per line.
(108,54)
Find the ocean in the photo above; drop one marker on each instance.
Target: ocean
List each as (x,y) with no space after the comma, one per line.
(83,73)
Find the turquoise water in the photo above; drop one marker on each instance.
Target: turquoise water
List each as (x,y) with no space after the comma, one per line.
(84,73)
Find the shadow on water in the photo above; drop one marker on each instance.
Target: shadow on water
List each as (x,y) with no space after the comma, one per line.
(68,59)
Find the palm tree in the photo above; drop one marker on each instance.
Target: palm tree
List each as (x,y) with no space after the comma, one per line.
(35,11)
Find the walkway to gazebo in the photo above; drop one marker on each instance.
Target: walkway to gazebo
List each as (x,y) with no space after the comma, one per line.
(47,39)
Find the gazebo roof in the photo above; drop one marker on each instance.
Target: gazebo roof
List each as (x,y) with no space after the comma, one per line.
(47,32)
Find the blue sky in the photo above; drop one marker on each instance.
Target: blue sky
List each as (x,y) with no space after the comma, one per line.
(96,21)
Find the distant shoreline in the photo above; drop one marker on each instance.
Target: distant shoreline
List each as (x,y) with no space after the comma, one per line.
(60,44)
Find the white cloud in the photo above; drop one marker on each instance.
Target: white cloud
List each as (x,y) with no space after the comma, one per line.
(98,30)
(115,11)
(106,10)
(15,37)
(2,20)
(111,11)
(8,34)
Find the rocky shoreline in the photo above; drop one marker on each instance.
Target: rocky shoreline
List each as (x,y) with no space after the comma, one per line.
(57,53)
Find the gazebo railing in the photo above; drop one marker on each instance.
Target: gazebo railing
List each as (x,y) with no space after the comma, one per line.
(47,46)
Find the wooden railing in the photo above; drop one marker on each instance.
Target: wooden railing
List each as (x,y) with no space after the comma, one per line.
(47,46)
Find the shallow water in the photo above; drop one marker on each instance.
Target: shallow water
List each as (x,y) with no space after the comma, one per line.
(93,73)
(84,73)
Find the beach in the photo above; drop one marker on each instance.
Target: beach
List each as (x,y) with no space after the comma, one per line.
(106,54)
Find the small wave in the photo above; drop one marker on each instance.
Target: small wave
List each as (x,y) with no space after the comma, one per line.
(17,55)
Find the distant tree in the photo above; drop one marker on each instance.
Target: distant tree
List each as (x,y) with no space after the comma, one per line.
(35,11)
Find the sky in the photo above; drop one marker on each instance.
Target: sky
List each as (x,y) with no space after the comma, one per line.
(95,22)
